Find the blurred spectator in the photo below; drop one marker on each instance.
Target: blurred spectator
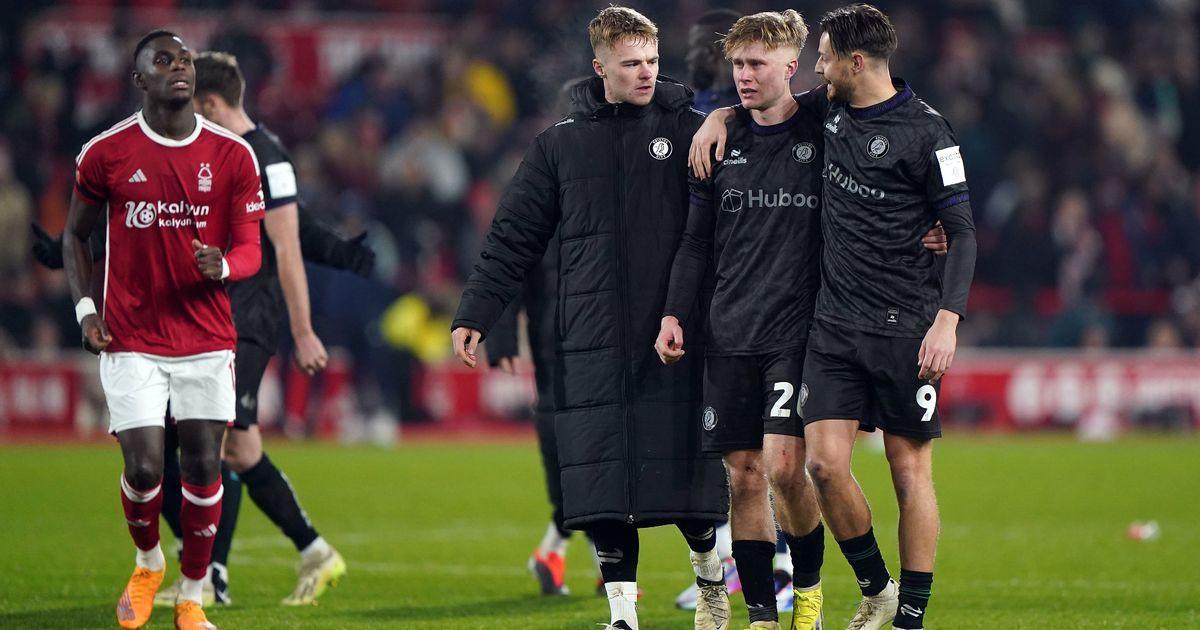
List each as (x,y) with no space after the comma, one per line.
(1080,125)
(16,211)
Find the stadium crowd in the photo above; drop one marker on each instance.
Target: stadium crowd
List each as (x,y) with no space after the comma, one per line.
(1080,127)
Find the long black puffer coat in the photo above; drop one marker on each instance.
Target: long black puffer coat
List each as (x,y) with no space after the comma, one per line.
(611,178)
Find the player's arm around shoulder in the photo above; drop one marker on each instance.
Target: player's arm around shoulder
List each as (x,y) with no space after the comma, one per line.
(702,155)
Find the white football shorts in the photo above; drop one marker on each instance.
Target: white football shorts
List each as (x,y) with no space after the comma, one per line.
(138,386)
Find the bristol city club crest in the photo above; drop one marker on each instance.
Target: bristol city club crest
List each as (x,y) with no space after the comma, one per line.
(804,152)
(660,148)
(877,147)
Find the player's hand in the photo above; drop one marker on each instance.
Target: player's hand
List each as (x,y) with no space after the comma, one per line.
(935,240)
(46,249)
(95,334)
(310,355)
(669,344)
(466,343)
(359,258)
(508,365)
(208,259)
(937,349)
(710,133)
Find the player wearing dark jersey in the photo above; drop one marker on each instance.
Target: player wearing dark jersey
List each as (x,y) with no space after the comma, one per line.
(257,302)
(758,220)
(886,314)
(168,182)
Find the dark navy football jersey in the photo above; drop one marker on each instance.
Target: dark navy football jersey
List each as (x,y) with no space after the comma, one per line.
(891,171)
(755,226)
(257,301)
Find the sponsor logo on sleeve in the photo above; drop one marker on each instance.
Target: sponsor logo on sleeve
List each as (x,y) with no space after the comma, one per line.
(281,178)
(255,206)
(951,163)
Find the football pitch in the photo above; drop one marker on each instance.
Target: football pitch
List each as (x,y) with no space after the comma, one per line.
(436,535)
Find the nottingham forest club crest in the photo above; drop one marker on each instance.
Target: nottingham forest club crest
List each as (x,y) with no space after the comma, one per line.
(204,177)
(660,148)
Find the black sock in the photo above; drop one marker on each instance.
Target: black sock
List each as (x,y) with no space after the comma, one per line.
(753,559)
(231,502)
(617,547)
(915,588)
(808,553)
(864,557)
(172,488)
(273,494)
(701,536)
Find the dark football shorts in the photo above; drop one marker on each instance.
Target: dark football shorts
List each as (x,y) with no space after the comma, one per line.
(747,396)
(250,363)
(855,375)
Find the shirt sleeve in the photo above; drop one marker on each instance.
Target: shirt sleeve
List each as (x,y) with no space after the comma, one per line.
(248,203)
(279,184)
(946,189)
(523,226)
(815,102)
(695,249)
(90,180)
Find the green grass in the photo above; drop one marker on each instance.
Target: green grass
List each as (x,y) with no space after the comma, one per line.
(437,535)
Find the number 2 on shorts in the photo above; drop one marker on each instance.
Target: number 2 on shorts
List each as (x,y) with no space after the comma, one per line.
(927,400)
(780,410)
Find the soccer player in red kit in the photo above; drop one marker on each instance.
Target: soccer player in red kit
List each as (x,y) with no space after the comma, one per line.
(181,199)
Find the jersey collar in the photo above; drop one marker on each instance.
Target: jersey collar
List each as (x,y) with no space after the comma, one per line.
(768,130)
(903,95)
(165,141)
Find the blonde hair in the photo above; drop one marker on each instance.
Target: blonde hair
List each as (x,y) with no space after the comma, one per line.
(772,29)
(613,24)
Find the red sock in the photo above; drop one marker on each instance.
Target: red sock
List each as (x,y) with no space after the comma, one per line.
(142,508)
(198,518)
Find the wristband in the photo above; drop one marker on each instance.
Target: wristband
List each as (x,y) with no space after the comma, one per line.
(224,268)
(83,308)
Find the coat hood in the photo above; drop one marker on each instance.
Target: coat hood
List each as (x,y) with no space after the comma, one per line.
(587,98)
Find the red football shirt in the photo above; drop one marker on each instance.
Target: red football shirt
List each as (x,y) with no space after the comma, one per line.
(161,194)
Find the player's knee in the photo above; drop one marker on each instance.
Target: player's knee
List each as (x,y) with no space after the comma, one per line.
(200,467)
(240,458)
(143,473)
(910,477)
(786,473)
(825,471)
(746,473)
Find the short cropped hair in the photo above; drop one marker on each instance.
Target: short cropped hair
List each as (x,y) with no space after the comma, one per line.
(614,24)
(149,37)
(772,29)
(860,27)
(218,73)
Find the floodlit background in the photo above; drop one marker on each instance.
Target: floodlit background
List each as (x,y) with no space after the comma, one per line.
(1072,409)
